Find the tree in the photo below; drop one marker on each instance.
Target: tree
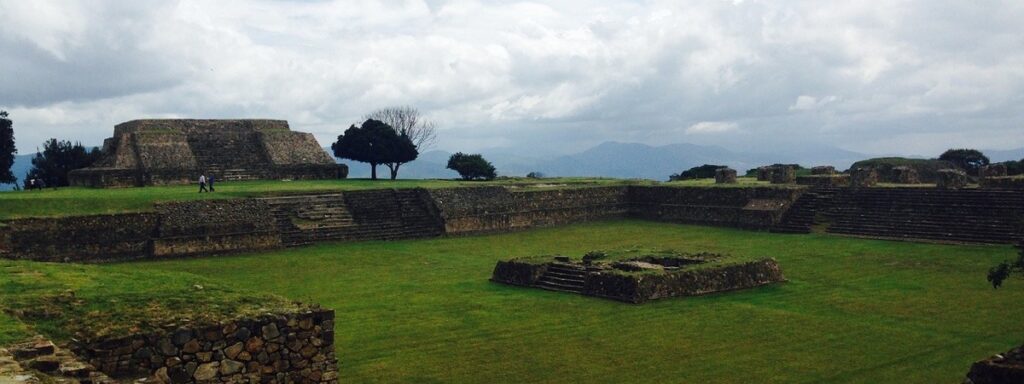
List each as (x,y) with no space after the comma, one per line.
(57,159)
(407,122)
(999,273)
(375,142)
(702,172)
(970,160)
(471,167)
(7,149)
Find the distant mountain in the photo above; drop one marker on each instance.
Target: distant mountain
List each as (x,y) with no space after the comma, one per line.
(1003,155)
(623,160)
(22,163)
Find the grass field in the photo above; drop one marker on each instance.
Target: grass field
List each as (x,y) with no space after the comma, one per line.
(423,311)
(84,201)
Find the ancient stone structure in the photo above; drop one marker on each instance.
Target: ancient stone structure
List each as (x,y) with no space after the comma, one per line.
(823,170)
(764,173)
(863,177)
(993,170)
(999,369)
(40,361)
(1005,182)
(665,277)
(905,175)
(725,176)
(274,348)
(951,179)
(157,152)
(824,180)
(783,174)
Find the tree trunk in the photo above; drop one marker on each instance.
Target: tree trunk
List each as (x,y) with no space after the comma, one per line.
(373,171)
(394,170)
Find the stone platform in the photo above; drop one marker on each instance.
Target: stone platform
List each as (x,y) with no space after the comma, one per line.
(177,151)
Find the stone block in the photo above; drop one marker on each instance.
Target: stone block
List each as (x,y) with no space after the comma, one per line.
(764,173)
(725,176)
(993,170)
(863,177)
(951,179)
(783,174)
(905,175)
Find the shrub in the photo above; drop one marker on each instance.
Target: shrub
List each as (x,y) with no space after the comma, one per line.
(471,167)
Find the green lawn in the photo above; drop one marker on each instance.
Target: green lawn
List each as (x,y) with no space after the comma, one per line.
(83,201)
(853,310)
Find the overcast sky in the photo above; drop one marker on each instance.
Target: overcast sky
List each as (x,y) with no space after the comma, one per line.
(911,77)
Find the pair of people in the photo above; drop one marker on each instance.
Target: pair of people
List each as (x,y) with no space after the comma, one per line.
(204,182)
(36,184)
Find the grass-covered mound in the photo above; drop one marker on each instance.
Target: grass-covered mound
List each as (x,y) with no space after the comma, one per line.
(64,301)
(84,201)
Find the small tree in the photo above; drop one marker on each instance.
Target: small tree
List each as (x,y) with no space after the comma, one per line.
(375,143)
(7,149)
(57,159)
(702,172)
(970,160)
(471,167)
(407,122)
(999,273)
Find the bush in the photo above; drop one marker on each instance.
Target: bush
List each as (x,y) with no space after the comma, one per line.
(705,171)
(471,167)
(534,175)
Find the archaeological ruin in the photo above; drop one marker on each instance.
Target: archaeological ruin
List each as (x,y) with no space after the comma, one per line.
(177,151)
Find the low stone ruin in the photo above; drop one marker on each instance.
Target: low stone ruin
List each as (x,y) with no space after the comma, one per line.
(783,174)
(824,180)
(1003,182)
(725,176)
(1002,368)
(951,179)
(823,170)
(993,170)
(905,175)
(40,361)
(764,173)
(640,278)
(863,177)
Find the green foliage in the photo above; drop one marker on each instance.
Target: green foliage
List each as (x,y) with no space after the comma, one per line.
(57,159)
(1002,271)
(899,311)
(535,175)
(471,167)
(702,172)
(970,160)
(375,143)
(7,149)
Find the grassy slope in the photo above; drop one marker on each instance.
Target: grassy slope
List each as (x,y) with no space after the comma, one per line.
(81,201)
(853,310)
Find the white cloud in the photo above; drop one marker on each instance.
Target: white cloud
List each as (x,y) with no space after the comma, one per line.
(540,76)
(711,127)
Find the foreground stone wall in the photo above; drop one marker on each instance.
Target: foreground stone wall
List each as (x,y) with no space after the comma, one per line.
(214,226)
(281,348)
(79,238)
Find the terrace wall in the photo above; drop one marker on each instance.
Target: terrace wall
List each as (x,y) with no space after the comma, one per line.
(282,348)
(752,208)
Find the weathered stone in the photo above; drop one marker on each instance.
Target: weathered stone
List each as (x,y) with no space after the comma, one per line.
(306,323)
(270,331)
(204,356)
(863,177)
(951,179)
(230,367)
(242,333)
(244,356)
(192,346)
(191,367)
(178,375)
(993,170)
(172,361)
(823,170)
(167,348)
(783,174)
(46,363)
(233,350)
(161,375)
(905,175)
(308,351)
(725,176)
(206,371)
(181,336)
(254,345)
(142,354)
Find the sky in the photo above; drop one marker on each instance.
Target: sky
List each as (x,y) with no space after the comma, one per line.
(876,77)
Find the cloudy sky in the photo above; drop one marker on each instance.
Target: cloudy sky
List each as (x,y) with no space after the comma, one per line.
(910,77)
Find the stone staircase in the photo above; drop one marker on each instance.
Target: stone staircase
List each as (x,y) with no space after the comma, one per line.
(974,216)
(800,216)
(353,216)
(563,277)
(229,155)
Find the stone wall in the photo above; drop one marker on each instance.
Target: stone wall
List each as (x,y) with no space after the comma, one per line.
(518,272)
(496,209)
(79,238)
(645,287)
(214,226)
(1004,182)
(752,208)
(275,348)
(159,152)
(824,180)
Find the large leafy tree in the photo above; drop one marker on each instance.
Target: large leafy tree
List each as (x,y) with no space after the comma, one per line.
(407,122)
(967,159)
(375,142)
(471,167)
(57,159)
(7,149)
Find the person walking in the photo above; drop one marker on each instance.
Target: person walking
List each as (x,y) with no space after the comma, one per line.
(209,181)
(202,184)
